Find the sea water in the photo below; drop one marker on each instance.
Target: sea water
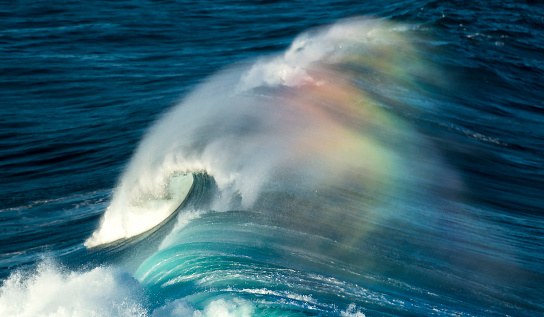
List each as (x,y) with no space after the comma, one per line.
(166,158)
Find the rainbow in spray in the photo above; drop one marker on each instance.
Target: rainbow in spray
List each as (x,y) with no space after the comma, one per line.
(311,121)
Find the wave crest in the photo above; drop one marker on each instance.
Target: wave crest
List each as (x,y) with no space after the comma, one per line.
(303,121)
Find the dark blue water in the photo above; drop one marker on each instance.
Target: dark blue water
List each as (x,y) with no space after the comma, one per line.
(387,164)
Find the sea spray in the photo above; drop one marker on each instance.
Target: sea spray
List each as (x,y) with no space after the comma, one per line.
(305,119)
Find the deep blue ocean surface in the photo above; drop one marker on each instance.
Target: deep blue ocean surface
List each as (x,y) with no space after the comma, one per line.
(270,158)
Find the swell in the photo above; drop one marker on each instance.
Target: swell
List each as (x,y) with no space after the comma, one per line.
(294,254)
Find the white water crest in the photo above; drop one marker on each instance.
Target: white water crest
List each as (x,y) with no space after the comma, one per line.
(140,213)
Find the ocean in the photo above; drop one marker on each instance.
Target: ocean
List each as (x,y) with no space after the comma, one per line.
(270,158)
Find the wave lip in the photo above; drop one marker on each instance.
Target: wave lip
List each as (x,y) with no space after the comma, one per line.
(126,217)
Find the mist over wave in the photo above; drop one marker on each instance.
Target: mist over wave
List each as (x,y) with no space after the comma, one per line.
(301,121)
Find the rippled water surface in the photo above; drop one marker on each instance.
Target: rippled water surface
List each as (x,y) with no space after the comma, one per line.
(215,158)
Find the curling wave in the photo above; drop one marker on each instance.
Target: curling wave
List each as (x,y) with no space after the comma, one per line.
(303,121)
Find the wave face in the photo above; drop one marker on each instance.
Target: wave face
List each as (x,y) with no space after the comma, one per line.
(319,185)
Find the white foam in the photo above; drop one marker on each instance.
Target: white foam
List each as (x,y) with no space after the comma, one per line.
(352,311)
(218,308)
(49,291)
(101,292)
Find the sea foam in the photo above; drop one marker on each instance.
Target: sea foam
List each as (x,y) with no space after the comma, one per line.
(52,291)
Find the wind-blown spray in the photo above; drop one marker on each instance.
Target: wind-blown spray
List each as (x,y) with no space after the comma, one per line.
(305,119)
